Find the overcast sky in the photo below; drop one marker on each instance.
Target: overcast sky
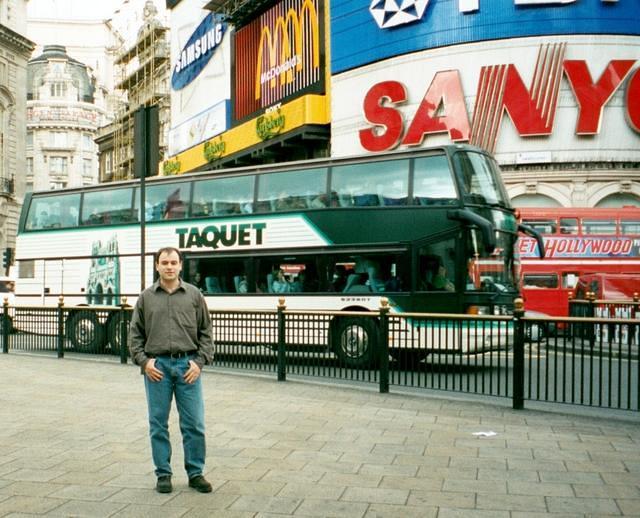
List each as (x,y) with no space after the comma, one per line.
(84,9)
(126,16)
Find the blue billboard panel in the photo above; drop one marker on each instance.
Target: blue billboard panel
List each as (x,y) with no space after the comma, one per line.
(366,31)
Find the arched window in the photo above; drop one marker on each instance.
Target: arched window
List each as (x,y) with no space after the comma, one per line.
(534,200)
(619,200)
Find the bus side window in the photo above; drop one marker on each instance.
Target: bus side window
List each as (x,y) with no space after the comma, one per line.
(568,225)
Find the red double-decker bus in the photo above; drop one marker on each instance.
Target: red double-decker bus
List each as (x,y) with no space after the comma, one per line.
(577,241)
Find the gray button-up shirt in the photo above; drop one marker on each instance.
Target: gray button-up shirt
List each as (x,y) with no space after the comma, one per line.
(166,323)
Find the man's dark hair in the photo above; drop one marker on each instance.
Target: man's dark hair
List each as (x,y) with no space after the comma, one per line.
(166,250)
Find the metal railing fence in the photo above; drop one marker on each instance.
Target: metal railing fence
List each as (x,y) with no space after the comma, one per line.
(589,361)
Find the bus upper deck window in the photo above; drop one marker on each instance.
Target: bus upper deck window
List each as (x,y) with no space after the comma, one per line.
(568,226)
(544,226)
(599,226)
(630,227)
(432,181)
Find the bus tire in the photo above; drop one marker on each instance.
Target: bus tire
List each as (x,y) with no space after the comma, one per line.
(114,329)
(355,341)
(85,332)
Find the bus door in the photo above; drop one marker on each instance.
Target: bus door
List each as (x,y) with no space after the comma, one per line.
(437,275)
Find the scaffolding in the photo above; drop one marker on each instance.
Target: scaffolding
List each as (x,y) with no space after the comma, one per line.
(142,78)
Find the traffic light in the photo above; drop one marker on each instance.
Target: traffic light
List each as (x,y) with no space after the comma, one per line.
(7,257)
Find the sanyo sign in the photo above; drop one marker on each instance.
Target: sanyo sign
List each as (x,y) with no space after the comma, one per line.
(391,13)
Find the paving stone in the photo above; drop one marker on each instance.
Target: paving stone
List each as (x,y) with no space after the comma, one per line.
(301,490)
(471,513)
(592,506)
(30,488)
(212,501)
(375,495)
(150,511)
(412,483)
(28,504)
(386,469)
(405,511)
(512,474)
(453,500)
(606,491)
(573,477)
(511,502)
(624,479)
(266,504)
(539,488)
(596,467)
(311,507)
(629,507)
(250,487)
(475,486)
(347,479)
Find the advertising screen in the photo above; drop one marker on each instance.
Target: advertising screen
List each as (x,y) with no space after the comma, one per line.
(200,76)
(364,32)
(279,56)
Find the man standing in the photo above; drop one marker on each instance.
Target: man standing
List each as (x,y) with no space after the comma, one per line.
(170,338)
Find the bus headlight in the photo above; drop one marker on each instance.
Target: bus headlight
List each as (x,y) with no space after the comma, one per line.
(479,310)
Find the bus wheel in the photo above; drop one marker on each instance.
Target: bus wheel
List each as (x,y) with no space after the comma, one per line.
(355,341)
(85,332)
(117,321)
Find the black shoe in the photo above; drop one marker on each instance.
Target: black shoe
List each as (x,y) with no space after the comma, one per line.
(200,484)
(164,484)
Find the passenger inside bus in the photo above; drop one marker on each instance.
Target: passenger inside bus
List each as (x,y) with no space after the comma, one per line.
(197,281)
(280,283)
(338,278)
(240,283)
(434,275)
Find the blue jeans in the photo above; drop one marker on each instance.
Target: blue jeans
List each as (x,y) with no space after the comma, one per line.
(191,416)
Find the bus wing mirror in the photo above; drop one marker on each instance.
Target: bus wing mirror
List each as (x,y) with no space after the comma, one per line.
(485,226)
(535,235)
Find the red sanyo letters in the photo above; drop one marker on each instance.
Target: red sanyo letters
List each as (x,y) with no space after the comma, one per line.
(443,109)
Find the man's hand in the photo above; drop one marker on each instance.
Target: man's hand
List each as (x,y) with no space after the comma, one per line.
(193,373)
(150,370)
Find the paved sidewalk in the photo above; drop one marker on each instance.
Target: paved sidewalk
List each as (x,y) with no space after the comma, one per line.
(73,442)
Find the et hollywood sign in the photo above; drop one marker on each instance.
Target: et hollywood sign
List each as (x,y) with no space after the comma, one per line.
(500,89)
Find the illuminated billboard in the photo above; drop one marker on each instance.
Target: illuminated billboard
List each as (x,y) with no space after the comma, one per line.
(200,75)
(279,56)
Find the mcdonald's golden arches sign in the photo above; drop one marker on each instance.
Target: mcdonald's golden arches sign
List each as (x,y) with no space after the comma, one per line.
(279,56)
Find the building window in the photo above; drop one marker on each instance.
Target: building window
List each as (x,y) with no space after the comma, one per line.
(108,164)
(58,138)
(58,89)
(4,78)
(87,142)
(57,184)
(30,165)
(29,138)
(58,165)
(86,167)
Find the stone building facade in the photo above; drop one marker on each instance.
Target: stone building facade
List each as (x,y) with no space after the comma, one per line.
(63,115)
(15,50)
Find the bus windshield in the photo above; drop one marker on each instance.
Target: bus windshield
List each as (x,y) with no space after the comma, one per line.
(496,271)
(480,178)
